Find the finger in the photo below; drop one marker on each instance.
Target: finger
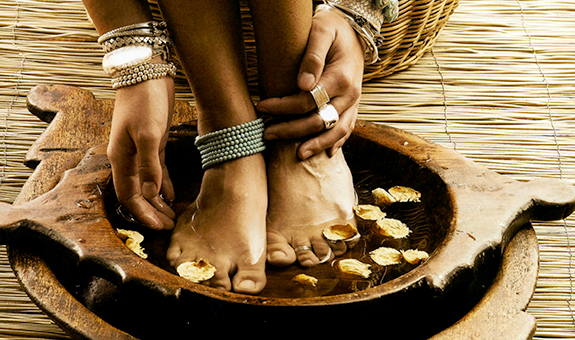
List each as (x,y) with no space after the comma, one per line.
(145,212)
(127,187)
(351,126)
(305,126)
(138,207)
(167,189)
(336,84)
(335,136)
(299,103)
(149,166)
(331,151)
(295,128)
(162,207)
(313,61)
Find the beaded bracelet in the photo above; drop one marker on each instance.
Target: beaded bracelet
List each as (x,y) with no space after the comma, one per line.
(141,72)
(231,143)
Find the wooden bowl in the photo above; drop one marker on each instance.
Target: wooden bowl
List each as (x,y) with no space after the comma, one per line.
(466,218)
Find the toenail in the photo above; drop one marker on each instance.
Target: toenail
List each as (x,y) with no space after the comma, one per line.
(307,263)
(247,285)
(278,255)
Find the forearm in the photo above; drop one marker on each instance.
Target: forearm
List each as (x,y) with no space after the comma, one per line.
(110,14)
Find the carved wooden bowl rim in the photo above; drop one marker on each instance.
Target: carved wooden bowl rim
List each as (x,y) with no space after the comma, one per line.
(486,205)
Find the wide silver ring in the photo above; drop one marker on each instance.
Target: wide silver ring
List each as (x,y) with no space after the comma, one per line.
(329,115)
(301,248)
(319,95)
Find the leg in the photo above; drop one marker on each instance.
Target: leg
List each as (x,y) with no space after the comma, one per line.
(304,196)
(226,225)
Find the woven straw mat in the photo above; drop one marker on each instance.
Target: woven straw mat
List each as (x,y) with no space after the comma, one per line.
(498,86)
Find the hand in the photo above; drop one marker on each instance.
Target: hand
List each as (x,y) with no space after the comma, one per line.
(140,126)
(335,57)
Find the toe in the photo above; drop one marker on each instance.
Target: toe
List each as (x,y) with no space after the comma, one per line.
(304,252)
(173,254)
(221,280)
(279,252)
(322,250)
(249,280)
(338,248)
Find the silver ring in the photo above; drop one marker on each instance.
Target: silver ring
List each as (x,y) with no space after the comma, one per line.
(329,115)
(319,95)
(327,257)
(125,214)
(301,248)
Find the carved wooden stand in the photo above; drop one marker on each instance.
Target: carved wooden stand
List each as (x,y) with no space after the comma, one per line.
(482,271)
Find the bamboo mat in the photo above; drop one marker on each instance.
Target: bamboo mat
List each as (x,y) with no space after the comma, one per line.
(498,86)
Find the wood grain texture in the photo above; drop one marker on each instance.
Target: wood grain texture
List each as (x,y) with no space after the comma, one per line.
(487,210)
(500,315)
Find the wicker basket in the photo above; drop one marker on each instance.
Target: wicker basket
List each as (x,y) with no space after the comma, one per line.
(410,35)
(405,39)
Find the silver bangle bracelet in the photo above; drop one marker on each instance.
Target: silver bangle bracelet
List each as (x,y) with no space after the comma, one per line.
(151,28)
(160,45)
(365,11)
(371,51)
(152,33)
(366,18)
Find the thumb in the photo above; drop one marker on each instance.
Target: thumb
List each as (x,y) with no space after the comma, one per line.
(314,58)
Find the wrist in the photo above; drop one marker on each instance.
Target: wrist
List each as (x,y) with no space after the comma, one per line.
(366,18)
(365,35)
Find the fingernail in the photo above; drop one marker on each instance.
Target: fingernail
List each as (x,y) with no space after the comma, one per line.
(151,221)
(262,109)
(307,81)
(332,152)
(269,135)
(169,201)
(306,154)
(149,189)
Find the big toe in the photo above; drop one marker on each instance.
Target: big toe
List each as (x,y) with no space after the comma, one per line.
(279,252)
(249,280)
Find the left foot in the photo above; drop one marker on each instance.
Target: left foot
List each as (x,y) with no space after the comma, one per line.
(304,198)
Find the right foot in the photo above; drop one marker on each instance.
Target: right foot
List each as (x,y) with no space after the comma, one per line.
(226,226)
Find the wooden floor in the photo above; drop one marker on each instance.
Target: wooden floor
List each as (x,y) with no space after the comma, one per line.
(498,86)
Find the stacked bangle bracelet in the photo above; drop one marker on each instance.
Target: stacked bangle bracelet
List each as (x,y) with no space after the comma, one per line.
(231,143)
(366,18)
(130,50)
(139,73)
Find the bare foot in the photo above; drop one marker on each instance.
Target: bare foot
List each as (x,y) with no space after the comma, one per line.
(304,198)
(227,226)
